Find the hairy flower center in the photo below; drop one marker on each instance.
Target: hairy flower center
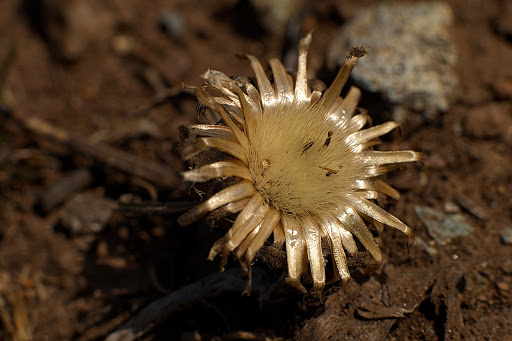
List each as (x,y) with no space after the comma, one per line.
(301,166)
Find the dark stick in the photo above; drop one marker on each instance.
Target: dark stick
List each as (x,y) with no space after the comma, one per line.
(101,152)
(64,188)
(151,208)
(216,284)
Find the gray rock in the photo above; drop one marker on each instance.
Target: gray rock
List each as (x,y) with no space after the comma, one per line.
(412,57)
(506,235)
(443,227)
(86,213)
(173,23)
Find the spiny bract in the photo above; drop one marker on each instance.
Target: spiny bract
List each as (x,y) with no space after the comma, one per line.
(305,166)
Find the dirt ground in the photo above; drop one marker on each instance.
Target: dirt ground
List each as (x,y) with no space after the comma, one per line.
(106,77)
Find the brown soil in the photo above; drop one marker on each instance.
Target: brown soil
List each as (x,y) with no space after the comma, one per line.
(71,68)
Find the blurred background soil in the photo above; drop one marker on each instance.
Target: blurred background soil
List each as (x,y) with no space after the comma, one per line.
(91,93)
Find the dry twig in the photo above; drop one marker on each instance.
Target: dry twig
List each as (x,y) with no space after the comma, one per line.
(131,164)
(64,188)
(208,287)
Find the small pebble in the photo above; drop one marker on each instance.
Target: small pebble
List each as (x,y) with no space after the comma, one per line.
(429,249)
(451,207)
(172,23)
(443,227)
(123,44)
(506,235)
(86,213)
(503,286)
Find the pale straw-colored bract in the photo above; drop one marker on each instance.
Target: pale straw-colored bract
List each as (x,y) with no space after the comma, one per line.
(305,166)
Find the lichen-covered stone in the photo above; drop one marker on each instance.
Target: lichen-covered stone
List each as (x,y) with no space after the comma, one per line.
(412,57)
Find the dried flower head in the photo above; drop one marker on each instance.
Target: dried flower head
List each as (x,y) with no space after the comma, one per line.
(305,166)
